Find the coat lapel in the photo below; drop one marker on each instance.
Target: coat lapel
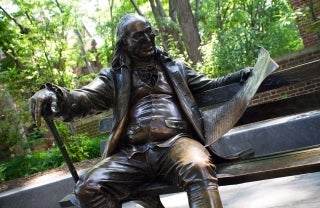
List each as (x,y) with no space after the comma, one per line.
(185,97)
(123,89)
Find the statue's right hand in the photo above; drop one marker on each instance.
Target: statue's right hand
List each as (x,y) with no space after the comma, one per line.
(42,103)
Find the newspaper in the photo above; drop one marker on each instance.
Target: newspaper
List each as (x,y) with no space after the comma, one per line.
(220,120)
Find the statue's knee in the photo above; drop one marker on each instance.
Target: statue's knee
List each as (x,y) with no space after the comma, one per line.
(202,169)
(83,188)
(90,194)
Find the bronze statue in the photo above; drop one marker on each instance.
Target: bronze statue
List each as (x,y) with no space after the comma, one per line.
(157,127)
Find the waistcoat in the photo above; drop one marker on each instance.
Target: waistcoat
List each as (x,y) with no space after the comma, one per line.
(155,114)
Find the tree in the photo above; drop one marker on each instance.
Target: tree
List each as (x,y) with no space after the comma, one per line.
(44,41)
(136,6)
(238,29)
(12,135)
(189,29)
(175,28)
(160,17)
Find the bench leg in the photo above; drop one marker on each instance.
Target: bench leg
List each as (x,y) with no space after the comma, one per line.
(150,202)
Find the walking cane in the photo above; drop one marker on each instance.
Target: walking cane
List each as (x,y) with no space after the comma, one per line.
(51,125)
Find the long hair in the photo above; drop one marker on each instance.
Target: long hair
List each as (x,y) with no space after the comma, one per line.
(120,56)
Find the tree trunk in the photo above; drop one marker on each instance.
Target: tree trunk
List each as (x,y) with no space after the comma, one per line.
(189,29)
(158,14)
(175,32)
(135,5)
(111,18)
(83,51)
(11,116)
(23,30)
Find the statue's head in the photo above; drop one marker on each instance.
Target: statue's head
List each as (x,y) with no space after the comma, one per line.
(136,36)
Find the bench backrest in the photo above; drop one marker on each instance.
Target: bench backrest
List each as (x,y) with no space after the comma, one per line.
(273,109)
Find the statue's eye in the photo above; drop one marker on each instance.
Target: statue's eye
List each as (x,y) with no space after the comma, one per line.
(148,33)
(137,35)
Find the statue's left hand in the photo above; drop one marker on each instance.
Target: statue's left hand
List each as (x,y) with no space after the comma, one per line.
(245,74)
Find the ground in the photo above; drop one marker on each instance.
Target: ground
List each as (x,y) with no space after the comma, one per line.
(22,182)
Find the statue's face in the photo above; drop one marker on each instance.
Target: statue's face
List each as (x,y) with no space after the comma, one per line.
(139,40)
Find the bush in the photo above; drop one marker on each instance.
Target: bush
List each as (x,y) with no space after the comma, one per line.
(9,132)
(82,147)
(23,166)
(79,148)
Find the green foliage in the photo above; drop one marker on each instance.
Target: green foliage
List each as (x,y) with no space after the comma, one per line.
(2,173)
(63,129)
(34,38)
(9,126)
(237,29)
(307,13)
(8,140)
(85,79)
(40,45)
(35,137)
(23,166)
(79,148)
(75,148)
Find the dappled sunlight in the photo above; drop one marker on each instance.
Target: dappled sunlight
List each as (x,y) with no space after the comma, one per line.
(196,156)
(277,192)
(175,201)
(37,181)
(273,196)
(50,177)
(294,191)
(41,179)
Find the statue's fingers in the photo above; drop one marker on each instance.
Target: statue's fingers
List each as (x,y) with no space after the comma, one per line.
(54,104)
(37,111)
(31,108)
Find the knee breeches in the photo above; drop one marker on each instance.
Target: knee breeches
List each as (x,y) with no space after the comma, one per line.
(184,163)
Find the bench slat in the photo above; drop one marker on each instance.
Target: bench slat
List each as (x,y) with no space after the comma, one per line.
(273,166)
(278,165)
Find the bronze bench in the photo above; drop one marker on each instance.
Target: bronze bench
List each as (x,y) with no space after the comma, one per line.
(295,161)
(266,167)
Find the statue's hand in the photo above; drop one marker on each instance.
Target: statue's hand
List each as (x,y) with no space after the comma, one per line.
(43,102)
(245,74)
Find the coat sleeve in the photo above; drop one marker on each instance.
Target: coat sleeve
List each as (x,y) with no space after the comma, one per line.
(95,97)
(200,83)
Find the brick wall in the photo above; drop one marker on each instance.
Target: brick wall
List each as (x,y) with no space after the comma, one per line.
(300,88)
(298,58)
(311,54)
(311,8)
(90,125)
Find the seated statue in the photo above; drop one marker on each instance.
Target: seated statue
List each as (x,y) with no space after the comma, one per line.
(158,130)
